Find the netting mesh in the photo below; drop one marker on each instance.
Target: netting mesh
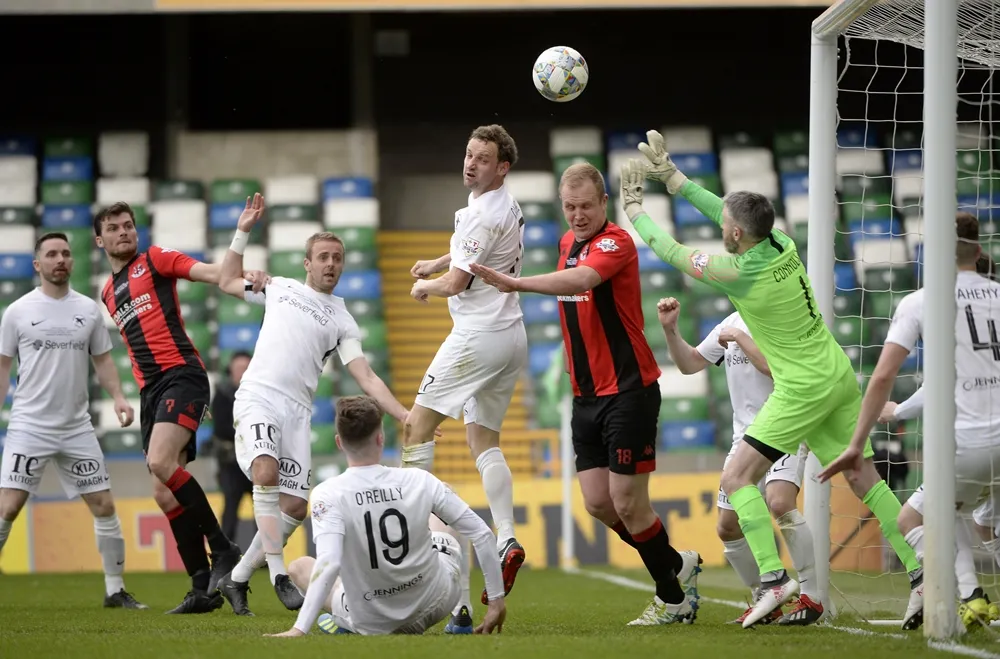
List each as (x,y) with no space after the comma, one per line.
(879,246)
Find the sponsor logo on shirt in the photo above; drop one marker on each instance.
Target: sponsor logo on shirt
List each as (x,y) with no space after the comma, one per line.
(59,345)
(296,303)
(699,261)
(607,245)
(79,321)
(138,271)
(382,593)
(132,308)
(573,298)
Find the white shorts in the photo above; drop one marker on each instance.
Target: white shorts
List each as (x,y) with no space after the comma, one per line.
(984,516)
(279,427)
(79,458)
(475,373)
(977,474)
(443,597)
(788,469)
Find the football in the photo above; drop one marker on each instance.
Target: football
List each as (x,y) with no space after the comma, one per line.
(560,74)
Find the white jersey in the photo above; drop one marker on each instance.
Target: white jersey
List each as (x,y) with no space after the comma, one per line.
(389,566)
(977,350)
(302,328)
(53,340)
(748,387)
(490,232)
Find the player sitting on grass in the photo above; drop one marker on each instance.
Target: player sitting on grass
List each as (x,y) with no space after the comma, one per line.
(379,567)
(816,395)
(750,384)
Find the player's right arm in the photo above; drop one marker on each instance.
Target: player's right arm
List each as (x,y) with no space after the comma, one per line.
(328,529)
(9,339)
(661,168)
(424,269)
(231,279)
(689,360)
(107,373)
(910,408)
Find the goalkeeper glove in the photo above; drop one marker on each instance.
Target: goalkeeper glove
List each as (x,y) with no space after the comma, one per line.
(661,168)
(633,174)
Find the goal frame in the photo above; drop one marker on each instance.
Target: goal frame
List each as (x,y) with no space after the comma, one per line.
(939,172)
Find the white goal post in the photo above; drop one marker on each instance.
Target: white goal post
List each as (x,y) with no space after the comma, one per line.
(932,26)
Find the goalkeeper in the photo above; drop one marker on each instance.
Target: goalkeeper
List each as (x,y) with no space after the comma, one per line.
(816,395)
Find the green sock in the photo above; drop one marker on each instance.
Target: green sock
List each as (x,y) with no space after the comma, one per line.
(885,506)
(755,521)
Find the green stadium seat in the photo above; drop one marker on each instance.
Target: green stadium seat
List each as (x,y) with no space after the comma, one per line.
(854,186)
(967,185)
(793,163)
(545,332)
(141,215)
(722,415)
(195,313)
(323,439)
(17,215)
(661,280)
(171,190)
(293,213)
(358,239)
(81,241)
(656,339)
(61,147)
(391,429)
(346,385)
(898,279)
(10,290)
(712,306)
(540,211)
(848,331)
(324,388)
(202,337)
(869,207)
(904,387)
(189,292)
(799,232)
(67,193)
(847,303)
(362,309)
(237,312)
(882,304)
(718,384)
(905,138)
(974,162)
(373,333)
(684,409)
(357,259)
(224,237)
(80,280)
(286,264)
(711,182)
(378,359)
(122,442)
(791,143)
(530,269)
(233,190)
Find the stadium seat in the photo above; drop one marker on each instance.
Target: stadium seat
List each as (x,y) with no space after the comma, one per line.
(740,162)
(67,193)
(764,182)
(861,162)
(348,187)
(543,333)
(696,164)
(323,442)
(17,215)
(687,139)
(72,168)
(539,261)
(123,154)
(133,191)
(280,213)
(178,190)
(373,333)
(204,341)
(18,239)
(539,309)
(540,356)
(657,206)
(323,411)
(235,337)
(535,192)
(233,190)
(118,443)
(669,279)
(684,409)
(225,215)
(195,313)
(365,285)
(292,236)
(17,265)
(287,264)
(542,234)
(11,289)
(687,435)
(350,212)
(362,309)
(301,189)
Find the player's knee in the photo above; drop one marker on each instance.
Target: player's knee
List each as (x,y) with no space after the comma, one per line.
(11,503)
(162,466)
(293,506)
(101,504)
(908,519)
(164,498)
(602,509)
(728,527)
(264,470)
(300,571)
(733,481)
(780,500)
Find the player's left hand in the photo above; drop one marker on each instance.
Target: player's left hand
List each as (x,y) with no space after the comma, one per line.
(124,413)
(729,335)
(419,292)
(501,282)
(252,212)
(258,278)
(495,615)
(633,175)
(888,414)
(850,459)
(291,633)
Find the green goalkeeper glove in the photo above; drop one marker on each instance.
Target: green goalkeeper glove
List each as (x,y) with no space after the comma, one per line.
(633,174)
(661,168)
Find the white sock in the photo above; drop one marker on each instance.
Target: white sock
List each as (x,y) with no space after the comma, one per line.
(738,553)
(800,545)
(499,486)
(111,546)
(465,577)
(288,524)
(4,531)
(915,539)
(267,514)
(253,558)
(992,546)
(965,564)
(420,456)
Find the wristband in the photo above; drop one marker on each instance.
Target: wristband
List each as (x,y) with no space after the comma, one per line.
(240,241)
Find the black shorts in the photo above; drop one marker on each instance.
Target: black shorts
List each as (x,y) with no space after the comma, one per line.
(617,431)
(181,396)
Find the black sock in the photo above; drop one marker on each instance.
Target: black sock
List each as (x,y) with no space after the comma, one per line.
(192,498)
(191,547)
(623,533)
(662,562)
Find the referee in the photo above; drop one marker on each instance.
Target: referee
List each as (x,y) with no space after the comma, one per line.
(614,375)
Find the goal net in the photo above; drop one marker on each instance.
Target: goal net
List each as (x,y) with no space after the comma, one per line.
(879,244)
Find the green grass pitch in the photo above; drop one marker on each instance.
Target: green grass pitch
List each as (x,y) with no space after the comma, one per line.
(550,614)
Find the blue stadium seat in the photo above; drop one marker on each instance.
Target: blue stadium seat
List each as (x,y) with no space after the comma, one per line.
(66,217)
(225,216)
(69,168)
(708,324)
(323,411)
(648,260)
(14,145)
(347,187)
(684,435)
(238,337)
(873,229)
(914,361)
(203,434)
(542,234)
(539,309)
(844,277)
(10,391)
(17,266)
(985,207)
(685,213)
(625,140)
(360,285)
(902,159)
(695,164)
(856,136)
(540,357)
(143,236)
(795,183)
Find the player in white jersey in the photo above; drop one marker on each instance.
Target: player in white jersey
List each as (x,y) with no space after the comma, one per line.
(477,366)
(750,384)
(54,332)
(977,403)
(380,567)
(304,325)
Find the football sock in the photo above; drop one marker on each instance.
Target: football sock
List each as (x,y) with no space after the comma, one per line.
(738,553)
(965,564)
(623,533)
(465,598)
(755,521)
(499,487)
(799,539)
(420,456)
(992,546)
(4,531)
(111,547)
(191,547)
(192,498)
(288,526)
(662,562)
(253,558)
(267,514)
(915,539)
(885,506)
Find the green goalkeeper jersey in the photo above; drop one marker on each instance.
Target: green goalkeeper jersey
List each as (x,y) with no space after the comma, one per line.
(770,289)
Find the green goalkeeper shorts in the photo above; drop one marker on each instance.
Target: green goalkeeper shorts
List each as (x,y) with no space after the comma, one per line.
(824,418)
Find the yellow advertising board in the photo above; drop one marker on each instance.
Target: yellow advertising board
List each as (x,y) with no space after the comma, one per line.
(437,5)
(58,536)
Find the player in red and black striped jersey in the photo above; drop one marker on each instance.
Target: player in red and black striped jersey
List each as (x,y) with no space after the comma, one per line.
(141,297)
(616,402)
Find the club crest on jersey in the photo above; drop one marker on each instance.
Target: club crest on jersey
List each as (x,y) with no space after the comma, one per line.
(471,247)
(138,271)
(318,509)
(607,245)
(79,321)
(699,261)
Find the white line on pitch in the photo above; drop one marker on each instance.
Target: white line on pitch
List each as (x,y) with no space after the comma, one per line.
(625,582)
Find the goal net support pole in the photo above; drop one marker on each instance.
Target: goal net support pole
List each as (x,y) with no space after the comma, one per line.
(939,172)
